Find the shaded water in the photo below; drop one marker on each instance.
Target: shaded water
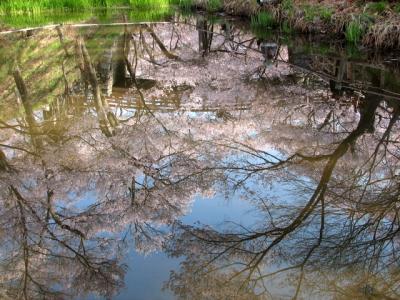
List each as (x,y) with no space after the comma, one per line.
(195,159)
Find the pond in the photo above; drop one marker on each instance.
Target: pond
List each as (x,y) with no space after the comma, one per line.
(192,157)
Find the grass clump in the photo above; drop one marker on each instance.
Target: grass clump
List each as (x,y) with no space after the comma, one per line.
(184,4)
(376,7)
(287,5)
(326,14)
(357,27)
(263,19)
(149,3)
(214,5)
(35,6)
(286,28)
(354,32)
(311,13)
(22,20)
(288,8)
(397,8)
(152,15)
(28,6)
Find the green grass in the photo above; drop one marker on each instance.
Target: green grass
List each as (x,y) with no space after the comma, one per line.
(185,5)
(357,27)
(214,5)
(263,19)
(27,13)
(354,31)
(32,6)
(286,28)
(326,14)
(353,52)
(312,12)
(377,7)
(261,33)
(39,19)
(149,3)
(151,15)
(101,16)
(397,8)
(288,9)
(35,6)
(287,5)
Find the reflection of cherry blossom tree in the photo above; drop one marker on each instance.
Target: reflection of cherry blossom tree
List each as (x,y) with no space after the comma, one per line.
(339,220)
(71,210)
(134,190)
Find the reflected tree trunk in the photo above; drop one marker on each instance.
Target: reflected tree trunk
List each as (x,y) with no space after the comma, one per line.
(23,94)
(205,35)
(160,43)
(4,166)
(62,40)
(107,119)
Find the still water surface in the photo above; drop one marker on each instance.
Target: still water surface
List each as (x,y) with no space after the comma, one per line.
(195,159)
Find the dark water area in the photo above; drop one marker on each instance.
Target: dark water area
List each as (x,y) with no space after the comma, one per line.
(195,158)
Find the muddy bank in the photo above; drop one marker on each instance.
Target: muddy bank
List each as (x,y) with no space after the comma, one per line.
(370,24)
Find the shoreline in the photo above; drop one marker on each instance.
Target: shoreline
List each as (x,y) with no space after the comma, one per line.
(367,24)
(373,25)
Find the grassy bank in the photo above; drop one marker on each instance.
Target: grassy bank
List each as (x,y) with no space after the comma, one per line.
(35,6)
(372,24)
(209,5)
(101,16)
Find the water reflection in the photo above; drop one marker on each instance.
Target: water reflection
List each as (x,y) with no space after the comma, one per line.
(108,134)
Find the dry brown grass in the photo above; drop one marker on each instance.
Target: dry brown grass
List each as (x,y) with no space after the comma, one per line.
(339,22)
(200,3)
(385,34)
(234,7)
(241,7)
(299,22)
